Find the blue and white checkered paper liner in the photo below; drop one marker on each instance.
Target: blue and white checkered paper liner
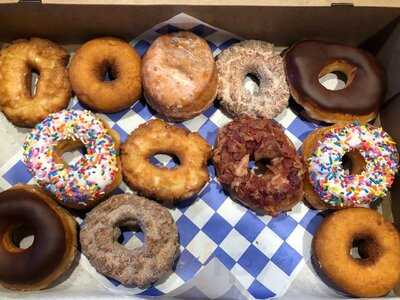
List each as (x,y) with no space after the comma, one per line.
(263,253)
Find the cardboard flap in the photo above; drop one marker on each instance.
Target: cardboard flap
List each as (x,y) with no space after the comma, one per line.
(312,3)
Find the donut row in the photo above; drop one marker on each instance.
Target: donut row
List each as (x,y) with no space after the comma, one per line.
(345,166)
(180,78)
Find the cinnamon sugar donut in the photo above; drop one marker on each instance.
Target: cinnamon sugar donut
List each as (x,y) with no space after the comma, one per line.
(53,91)
(280,187)
(259,59)
(377,271)
(89,66)
(139,266)
(179,75)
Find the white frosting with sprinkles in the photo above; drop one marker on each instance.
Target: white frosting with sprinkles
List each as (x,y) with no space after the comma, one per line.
(83,180)
(337,186)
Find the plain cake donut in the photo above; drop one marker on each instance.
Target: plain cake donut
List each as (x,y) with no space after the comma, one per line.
(89,66)
(257,58)
(133,267)
(376,272)
(27,208)
(163,184)
(307,61)
(179,75)
(53,91)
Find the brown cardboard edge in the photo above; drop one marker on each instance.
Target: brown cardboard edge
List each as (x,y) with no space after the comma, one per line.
(311,3)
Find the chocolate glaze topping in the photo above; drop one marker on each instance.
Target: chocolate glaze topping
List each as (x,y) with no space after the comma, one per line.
(19,207)
(363,95)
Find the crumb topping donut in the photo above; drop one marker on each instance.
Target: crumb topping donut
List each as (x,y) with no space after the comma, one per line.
(179,75)
(80,184)
(53,91)
(259,59)
(89,66)
(280,187)
(26,210)
(132,267)
(163,184)
(376,272)
(340,188)
(360,99)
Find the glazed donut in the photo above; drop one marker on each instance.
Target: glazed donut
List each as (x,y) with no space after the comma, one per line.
(25,207)
(90,64)
(376,272)
(374,160)
(140,266)
(53,91)
(179,76)
(307,61)
(259,59)
(166,185)
(83,183)
(245,139)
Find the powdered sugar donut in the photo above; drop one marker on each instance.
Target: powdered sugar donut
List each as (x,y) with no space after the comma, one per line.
(258,59)
(83,183)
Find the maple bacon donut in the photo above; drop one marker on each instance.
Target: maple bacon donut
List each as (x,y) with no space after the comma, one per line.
(360,99)
(163,184)
(89,66)
(179,75)
(374,161)
(25,210)
(259,59)
(83,183)
(132,267)
(53,91)
(244,139)
(376,272)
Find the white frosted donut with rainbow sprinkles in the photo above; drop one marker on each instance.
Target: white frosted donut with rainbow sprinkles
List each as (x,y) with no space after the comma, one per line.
(79,184)
(336,186)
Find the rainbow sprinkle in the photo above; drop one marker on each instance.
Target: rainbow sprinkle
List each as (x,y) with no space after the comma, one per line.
(83,180)
(335,185)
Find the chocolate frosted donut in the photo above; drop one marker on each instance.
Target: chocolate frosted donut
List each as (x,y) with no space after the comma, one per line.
(259,59)
(307,61)
(280,187)
(139,266)
(179,75)
(55,239)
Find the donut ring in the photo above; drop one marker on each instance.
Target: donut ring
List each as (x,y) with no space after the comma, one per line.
(89,65)
(53,90)
(257,58)
(166,185)
(55,239)
(377,272)
(374,157)
(179,75)
(246,138)
(81,184)
(307,61)
(140,266)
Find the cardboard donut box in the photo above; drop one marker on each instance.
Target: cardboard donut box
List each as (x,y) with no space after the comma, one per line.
(372,25)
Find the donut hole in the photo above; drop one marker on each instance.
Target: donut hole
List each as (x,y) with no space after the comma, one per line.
(260,166)
(252,83)
(337,75)
(22,237)
(32,80)
(109,72)
(353,163)
(165,160)
(131,236)
(71,151)
(334,81)
(364,249)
